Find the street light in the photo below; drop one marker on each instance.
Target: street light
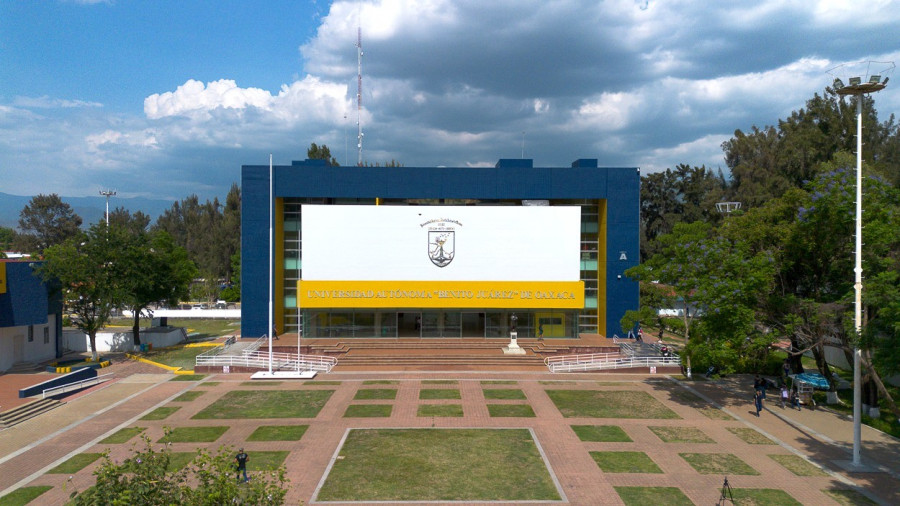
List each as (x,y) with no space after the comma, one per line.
(107,194)
(859,86)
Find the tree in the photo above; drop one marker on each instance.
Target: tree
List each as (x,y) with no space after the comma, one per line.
(145,478)
(135,223)
(7,236)
(89,270)
(46,221)
(156,270)
(322,152)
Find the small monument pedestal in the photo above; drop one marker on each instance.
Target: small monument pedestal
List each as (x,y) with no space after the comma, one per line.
(513,347)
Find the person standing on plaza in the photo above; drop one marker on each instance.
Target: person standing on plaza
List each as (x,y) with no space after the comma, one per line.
(241,461)
(758,400)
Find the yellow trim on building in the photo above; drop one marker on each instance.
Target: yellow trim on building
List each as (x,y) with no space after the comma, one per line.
(2,277)
(441,294)
(601,267)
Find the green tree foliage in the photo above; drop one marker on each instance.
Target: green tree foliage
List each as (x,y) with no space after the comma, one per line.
(685,194)
(89,269)
(46,221)
(7,237)
(145,478)
(232,293)
(316,152)
(136,223)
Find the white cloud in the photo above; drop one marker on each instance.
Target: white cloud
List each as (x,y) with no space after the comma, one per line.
(45,102)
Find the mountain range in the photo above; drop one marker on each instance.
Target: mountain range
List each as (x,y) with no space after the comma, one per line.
(91,209)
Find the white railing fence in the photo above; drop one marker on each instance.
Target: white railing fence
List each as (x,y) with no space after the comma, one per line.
(604,361)
(280,361)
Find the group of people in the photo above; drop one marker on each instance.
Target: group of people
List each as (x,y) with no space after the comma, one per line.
(788,396)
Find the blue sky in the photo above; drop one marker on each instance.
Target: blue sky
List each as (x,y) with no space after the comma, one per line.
(163,98)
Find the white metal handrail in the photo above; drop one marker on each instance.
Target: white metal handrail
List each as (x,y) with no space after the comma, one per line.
(595,362)
(281,361)
(76,385)
(256,345)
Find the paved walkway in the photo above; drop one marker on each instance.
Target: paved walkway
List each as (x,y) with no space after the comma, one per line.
(29,450)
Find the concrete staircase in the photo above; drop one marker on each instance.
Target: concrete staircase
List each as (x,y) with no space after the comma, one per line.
(27,412)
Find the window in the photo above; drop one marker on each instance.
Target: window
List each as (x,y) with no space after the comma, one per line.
(46,335)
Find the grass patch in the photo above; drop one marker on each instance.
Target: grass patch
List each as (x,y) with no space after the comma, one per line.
(438,465)
(208,384)
(609,383)
(177,356)
(189,377)
(715,414)
(261,383)
(439,393)
(122,436)
(188,396)
(641,496)
(278,433)
(75,463)
(368,411)
(510,410)
(23,496)
(798,465)
(440,382)
(160,413)
(557,382)
(687,397)
(625,462)
(177,460)
(266,404)
(763,496)
(609,404)
(750,436)
(848,497)
(266,461)
(504,393)
(601,433)
(450,410)
(499,382)
(367,394)
(381,382)
(718,463)
(681,435)
(193,434)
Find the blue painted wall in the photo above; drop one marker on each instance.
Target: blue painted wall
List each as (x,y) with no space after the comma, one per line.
(25,301)
(510,179)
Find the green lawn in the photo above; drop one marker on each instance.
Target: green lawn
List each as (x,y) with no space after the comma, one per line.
(510,410)
(438,465)
(440,382)
(846,497)
(266,404)
(75,463)
(643,496)
(160,413)
(278,433)
(718,463)
(798,465)
(601,433)
(188,396)
(179,356)
(714,413)
(368,411)
(439,393)
(766,496)
(681,435)
(365,394)
(504,393)
(265,460)
(449,410)
(194,434)
(609,404)
(190,377)
(122,435)
(23,496)
(750,436)
(625,462)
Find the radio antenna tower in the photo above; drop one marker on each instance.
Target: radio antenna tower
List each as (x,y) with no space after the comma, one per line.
(359,134)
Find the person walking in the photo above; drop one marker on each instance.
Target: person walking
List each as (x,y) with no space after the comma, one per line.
(241,461)
(757,400)
(785,395)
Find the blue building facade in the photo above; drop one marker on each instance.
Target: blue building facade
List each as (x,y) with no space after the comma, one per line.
(610,211)
(30,315)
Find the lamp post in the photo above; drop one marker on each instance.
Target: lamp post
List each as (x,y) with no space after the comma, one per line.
(107,194)
(859,88)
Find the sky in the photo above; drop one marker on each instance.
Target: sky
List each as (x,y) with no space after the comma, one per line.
(163,99)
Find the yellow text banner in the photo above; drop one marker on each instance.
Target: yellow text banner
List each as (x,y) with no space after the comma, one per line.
(441,294)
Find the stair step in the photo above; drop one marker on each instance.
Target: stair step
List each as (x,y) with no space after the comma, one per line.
(28,411)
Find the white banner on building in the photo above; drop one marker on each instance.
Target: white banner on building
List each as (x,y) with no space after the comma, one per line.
(432,243)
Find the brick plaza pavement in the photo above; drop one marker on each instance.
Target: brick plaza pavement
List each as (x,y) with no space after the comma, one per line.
(580,479)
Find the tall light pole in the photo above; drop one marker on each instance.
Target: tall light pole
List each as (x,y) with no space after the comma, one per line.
(107,194)
(858,87)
